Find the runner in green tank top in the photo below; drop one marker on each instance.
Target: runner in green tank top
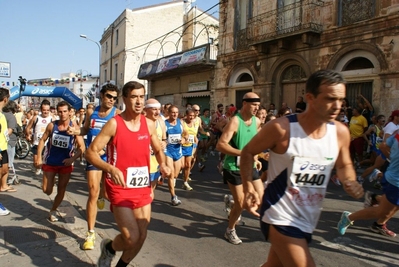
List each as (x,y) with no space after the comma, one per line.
(236,134)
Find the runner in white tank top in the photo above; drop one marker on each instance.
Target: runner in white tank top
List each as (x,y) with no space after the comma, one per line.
(303,150)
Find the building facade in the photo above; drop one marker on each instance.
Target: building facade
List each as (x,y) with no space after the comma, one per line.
(150,33)
(271,48)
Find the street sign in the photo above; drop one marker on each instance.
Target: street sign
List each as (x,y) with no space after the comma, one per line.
(5,69)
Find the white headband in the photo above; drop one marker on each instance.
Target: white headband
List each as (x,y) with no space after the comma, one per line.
(153,105)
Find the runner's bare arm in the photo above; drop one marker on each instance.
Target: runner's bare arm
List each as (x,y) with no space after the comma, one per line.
(92,153)
(271,136)
(229,131)
(157,148)
(344,166)
(29,128)
(84,129)
(40,146)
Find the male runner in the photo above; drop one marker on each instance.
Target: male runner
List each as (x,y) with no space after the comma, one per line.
(38,123)
(127,180)
(59,156)
(236,134)
(152,111)
(92,127)
(303,150)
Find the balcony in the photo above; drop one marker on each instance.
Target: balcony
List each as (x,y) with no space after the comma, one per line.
(294,19)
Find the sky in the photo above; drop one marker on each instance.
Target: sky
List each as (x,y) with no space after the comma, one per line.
(41,38)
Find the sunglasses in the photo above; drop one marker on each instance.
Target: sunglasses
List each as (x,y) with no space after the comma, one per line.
(196,109)
(111,97)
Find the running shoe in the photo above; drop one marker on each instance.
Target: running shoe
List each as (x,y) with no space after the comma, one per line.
(82,163)
(360,179)
(377,185)
(38,171)
(187,187)
(106,256)
(175,201)
(53,217)
(344,223)
(90,239)
(201,167)
(232,237)
(212,153)
(382,229)
(160,180)
(335,180)
(3,210)
(100,203)
(369,199)
(374,175)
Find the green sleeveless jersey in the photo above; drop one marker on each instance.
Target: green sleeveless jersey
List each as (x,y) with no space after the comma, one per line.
(239,140)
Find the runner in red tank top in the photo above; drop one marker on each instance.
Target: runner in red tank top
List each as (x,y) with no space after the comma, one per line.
(128,137)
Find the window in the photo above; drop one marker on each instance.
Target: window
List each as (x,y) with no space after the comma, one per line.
(289,15)
(116,37)
(106,47)
(116,72)
(352,11)
(358,64)
(105,76)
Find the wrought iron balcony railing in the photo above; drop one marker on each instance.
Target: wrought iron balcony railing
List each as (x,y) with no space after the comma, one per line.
(299,17)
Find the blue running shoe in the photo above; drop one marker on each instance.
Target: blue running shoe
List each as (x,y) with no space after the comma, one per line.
(344,223)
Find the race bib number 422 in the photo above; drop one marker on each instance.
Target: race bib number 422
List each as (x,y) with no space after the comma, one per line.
(311,172)
(137,177)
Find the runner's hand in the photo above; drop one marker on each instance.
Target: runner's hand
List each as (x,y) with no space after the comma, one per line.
(68,161)
(165,170)
(117,177)
(252,202)
(354,189)
(71,130)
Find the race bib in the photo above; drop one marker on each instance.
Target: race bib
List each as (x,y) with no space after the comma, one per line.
(60,141)
(137,177)
(191,139)
(310,172)
(174,139)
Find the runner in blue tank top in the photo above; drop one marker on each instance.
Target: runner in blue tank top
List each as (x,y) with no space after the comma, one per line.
(95,121)
(59,156)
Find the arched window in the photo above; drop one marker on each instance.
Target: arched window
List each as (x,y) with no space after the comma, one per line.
(244,77)
(294,73)
(358,63)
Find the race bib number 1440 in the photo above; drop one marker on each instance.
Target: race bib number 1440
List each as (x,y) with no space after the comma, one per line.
(311,172)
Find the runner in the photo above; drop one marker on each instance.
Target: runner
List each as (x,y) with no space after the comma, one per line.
(127,180)
(303,150)
(189,139)
(174,131)
(38,125)
(92,127)
(152,110)
(236,134)
(59,156)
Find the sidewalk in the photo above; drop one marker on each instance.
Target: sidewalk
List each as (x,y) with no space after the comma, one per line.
(27,238)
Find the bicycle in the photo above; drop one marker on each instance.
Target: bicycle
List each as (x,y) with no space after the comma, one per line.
(22,148)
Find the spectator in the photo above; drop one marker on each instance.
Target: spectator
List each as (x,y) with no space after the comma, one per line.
(300,105)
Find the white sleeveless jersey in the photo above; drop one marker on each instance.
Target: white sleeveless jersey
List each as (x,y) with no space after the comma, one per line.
(40,128)
(297,179)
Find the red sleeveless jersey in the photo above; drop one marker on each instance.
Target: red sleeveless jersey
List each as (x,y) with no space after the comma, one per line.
(130,152)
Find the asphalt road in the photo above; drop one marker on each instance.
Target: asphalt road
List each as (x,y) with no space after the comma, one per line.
(192,233)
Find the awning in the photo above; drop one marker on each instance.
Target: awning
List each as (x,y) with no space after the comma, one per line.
(196,94)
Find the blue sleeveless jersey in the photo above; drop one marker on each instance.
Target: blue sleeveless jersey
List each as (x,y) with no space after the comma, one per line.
(60,146)
(96,124)
(173,135)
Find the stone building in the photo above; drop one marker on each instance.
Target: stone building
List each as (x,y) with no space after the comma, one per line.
(271,47)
